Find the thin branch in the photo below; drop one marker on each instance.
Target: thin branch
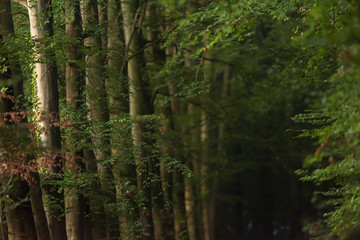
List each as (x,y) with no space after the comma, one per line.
(21,2)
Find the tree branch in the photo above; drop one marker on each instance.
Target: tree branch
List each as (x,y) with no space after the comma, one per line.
(21,2)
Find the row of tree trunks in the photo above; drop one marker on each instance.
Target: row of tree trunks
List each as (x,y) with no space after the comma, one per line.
(154,223)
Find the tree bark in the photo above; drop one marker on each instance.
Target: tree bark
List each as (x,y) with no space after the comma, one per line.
(205,188)
(118,108)
(159,189)
(220,152)
(192,160)
(20,220)
(99,114)
(48,101)
(139,105)
(73,75)
(41,224)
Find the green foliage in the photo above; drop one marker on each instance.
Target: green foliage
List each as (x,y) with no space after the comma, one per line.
(284,56)
(331,30)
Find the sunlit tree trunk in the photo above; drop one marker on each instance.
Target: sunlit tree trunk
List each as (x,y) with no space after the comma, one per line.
(139,105)
(73,76)
(48,101)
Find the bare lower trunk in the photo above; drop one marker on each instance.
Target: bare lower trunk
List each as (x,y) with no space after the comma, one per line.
(20,219)
(41,225)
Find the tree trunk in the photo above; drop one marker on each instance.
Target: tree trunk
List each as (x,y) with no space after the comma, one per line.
(139,105)
(205,189)
(99,114)
(73,76)
(41,224)
(159,189)
(48,102)
(6,30)
(20,221)
(103,17)
(191,159)
(117,90)
(220,152)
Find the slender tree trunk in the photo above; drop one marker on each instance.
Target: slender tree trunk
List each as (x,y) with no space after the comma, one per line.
(177,178)
(118,101)
(73,76)
(190,206)
(221,154)
(205,188)
(189,182)
(159,189)
(139,105)
(177,181)
(48,101)
(99,114)
(41,224)
(165,229)
(191,158)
